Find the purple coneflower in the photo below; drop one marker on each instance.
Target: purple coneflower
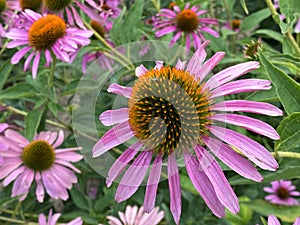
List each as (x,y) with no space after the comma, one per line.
(186,21)
(282,193)
(45,35)
(171,110)
(39,160)
(272,220)
(135,216)
(52,219)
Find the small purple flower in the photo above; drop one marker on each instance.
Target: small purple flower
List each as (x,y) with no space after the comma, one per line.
(282,193)
(53,218)
(45,35)
(272,220)
(171,112)
(185,22)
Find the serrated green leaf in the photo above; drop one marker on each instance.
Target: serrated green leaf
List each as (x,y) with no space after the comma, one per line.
(254,19)
(5,69)
(289,131)
(285,213)
(17,91)
(287,89)
(79,199)
(32,122)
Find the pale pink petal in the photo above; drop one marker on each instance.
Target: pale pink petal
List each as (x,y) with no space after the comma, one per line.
(120,90)
(174,188)
(134,176)
(165,30)
(232,159)
(140,70)
(69,156)
(250,148)
(249,123)
(120,164)
(16,137)
(272,220)
(152,184)
(218,180)
(247,106)
(13,175)
(19,55)
(297,221)
(130,214)
(115,136)
(111,117)
(59,140)
(42,219)
(35,64)
(203,185)
(197,59)
(180,65)
(39,192)
(114,220)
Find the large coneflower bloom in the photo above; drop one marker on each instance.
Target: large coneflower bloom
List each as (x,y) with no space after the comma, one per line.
(282,193)
(135,216)
(53,218)
(272,220)
(43,35)
(187,21)
(39,160)
(171,110)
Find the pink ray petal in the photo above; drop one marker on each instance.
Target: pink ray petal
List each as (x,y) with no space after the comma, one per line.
(120,90)
(111,117)
(272,220)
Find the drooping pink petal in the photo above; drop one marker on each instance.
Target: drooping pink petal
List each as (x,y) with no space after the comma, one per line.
(111,117)
(59,140)
(218,180)
(250,148)
(247,106)
(232,159)
(245,85)
(20,54)
(120,90)
(120,164)
(272,220)
(115,136)
(152,184)
(39,192)
(203,185)
(16,137)
(114,221)
(297,221)
(197,59)
(134,176)
(230,73)
(13,175)
(174,188)
(140,70)
(249,123)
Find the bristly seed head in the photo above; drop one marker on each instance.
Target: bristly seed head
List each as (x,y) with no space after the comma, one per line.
(236,23)
(31,4)
(98,28)
(2,5)
(187,20)
(251,50)
(282,193)
(57,5)
(39,155)
(168,109)
(44,32)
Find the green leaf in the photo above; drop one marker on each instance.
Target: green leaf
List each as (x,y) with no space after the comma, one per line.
(287,89)
(32,122)
(263,96)
(187,185)
(290,8)
(130,25)
(243,4)
(285,213)
(79,199)
(250,22)
(243,216)
(5,69)
(289,131)
(287,47)
(270,33)
(20,90)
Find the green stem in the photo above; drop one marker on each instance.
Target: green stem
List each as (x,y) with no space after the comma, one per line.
(13,216)
(12,221)
(228,13)
(52,71)
(288,34)
(156,5)
(279,154)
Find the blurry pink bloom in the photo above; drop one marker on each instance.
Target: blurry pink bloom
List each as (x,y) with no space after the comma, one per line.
(52,219)
(187,22)
(39,160)
(135,216)
(43,35)
(171,110)
(282,192)
(272,220)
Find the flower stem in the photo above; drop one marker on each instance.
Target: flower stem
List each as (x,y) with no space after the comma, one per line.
(228,13)
(280,154)
(12,221)
(288,34)
(52,71)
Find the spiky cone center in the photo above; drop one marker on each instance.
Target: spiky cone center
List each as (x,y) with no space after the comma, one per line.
(57,5)
(39,155)
(2,5)
(168,110)
(31,4)
(98,28)
(283,193)
(251,50)
(44,32)
(236,23)
(187,20)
